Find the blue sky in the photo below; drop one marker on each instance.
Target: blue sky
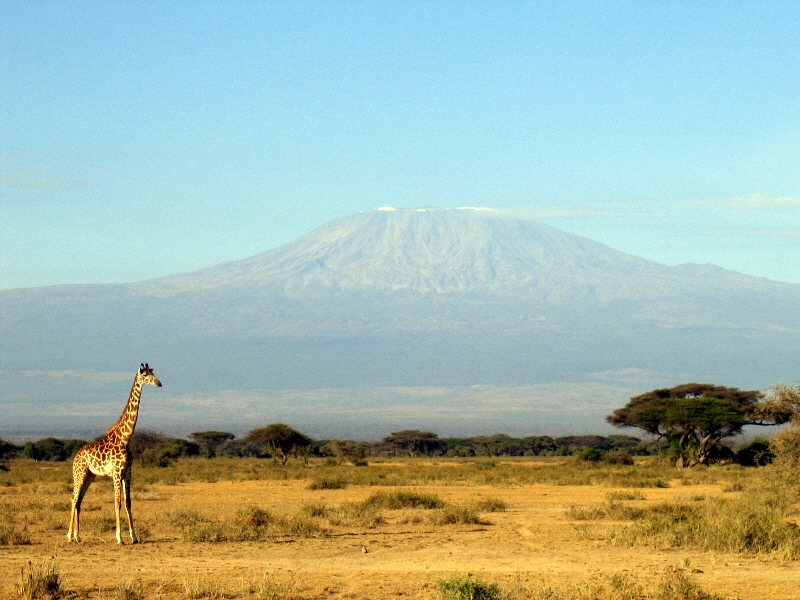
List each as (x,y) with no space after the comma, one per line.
(140,139)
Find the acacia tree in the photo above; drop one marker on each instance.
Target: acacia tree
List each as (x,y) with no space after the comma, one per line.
(143,440)
(698,416)
(786,444)
(416,442)
(354,452)
(209,441)
(280,440)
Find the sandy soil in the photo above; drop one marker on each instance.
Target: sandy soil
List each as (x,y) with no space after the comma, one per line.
(531,541)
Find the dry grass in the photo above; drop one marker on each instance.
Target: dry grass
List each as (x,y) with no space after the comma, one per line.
(40,582)
(403,499)
(649,472)
(271,587)
(199,587)
(406,508)
(675,585)
(756,523)
(753,524)
(625,495)
(249,524)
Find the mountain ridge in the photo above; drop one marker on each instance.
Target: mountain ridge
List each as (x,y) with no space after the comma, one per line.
(408,297)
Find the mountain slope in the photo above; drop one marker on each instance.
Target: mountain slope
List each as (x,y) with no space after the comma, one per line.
(408,297)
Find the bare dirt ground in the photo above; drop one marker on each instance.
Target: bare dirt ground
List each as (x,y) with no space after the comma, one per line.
(532,541)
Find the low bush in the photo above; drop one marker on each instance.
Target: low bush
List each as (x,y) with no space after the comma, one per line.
(355,514)
(489,505)
(11,535)
(315,510)
(403,499)
(591,455)
(611,511)
(618,457)
(461,587)
(454,515)
(757,453)
(250,523)
(328,484)
(184,518)
(40,582)
(625,495)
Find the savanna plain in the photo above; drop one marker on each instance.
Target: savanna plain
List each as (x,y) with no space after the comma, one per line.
(535,528)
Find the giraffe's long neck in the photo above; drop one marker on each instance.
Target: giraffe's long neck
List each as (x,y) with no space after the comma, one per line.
(123,428)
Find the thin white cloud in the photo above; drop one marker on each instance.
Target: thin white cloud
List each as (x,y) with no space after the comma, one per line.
(98,377)
(543,213)
(753,202)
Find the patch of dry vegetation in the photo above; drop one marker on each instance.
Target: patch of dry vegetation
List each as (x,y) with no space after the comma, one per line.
(408,507)
(249,524)
(750,517)
(648,472)
(758,522)
(674,585)
(40,581)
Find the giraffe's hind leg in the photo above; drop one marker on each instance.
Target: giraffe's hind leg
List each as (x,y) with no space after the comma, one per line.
(82,479)
(126,494)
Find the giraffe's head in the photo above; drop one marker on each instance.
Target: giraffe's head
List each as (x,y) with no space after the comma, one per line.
(147,377)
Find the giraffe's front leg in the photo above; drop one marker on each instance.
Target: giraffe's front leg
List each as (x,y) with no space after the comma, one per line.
(118,502)
(126,492)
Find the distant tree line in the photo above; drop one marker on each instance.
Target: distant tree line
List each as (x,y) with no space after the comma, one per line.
(687,423)
(282,442)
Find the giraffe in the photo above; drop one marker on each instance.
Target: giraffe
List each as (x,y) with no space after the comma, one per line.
(110,456)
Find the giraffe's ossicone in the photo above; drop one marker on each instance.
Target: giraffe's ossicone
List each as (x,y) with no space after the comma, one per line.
(109,456)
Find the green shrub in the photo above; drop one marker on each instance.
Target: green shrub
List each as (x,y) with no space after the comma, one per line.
(757,453)
(467,588)
(618,457)
(591,455)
